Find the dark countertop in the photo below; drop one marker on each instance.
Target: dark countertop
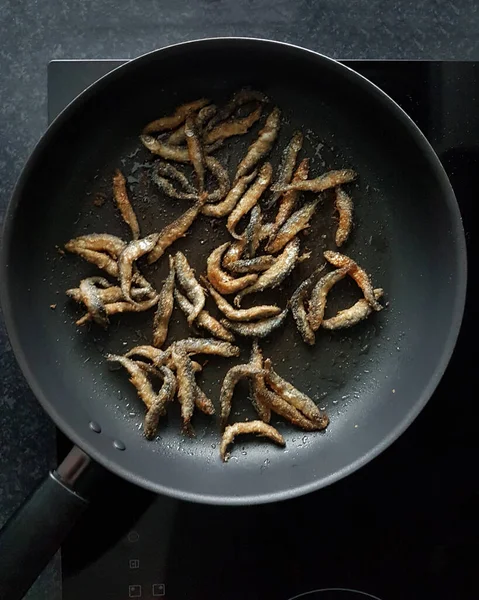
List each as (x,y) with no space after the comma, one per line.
(33,35)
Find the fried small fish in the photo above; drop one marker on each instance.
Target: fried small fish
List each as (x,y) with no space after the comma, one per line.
(204,115)
(281,407)
(258,329)
(204,320)
(344,206)
(249,198)
(300,401)
(169,189)
(168,152)
(258,427)
(288,201)
(138,378)
(298,221)
(158,408)
(352,315)
(222,179)
(324,182)
(175,230)
(222,281)
(247,314)
(186,391)
(232,127)
(187,280)
(171,172)
(223,208)
(102,261)
(252,233)
(207,346)
(239,99)
(111,294)
(288,162)
(298,308)
(357,273)
(234,252)
(203,403)
(115,308)
(232,377)
(123,202)
(195,151)
(252,265)
(256,359)
(98,242)
(319,296)
(163,312)
(92,301)
(134,250)
(276,274)
(177,118)
(261,146)
(155,355)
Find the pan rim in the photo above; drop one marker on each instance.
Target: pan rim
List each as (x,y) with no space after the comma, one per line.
(457,307)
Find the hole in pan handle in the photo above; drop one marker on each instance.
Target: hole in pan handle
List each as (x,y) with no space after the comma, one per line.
(37,529)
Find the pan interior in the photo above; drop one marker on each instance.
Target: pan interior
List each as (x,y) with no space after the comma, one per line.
(372,380)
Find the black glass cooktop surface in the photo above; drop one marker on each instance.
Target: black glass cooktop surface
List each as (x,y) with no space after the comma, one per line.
(403,527)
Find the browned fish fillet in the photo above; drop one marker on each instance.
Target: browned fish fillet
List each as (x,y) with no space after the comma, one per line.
(261,146)
(352,315)
(163,312)
(222,281)
(176,119)
(249,199)
(344,206)
(123,202)
(175,230)
(324,182)
(257,427)
(357,273)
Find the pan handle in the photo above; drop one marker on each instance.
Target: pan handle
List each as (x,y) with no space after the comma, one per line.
(37,529)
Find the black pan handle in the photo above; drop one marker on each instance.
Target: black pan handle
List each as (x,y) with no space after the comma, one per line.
(37,529)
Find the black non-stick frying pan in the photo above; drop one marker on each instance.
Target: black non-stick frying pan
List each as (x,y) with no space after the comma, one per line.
(372,379)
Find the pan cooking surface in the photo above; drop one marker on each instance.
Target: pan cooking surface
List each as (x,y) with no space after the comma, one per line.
(371,379)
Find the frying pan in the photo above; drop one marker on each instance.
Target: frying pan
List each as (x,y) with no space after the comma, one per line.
(373,379)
